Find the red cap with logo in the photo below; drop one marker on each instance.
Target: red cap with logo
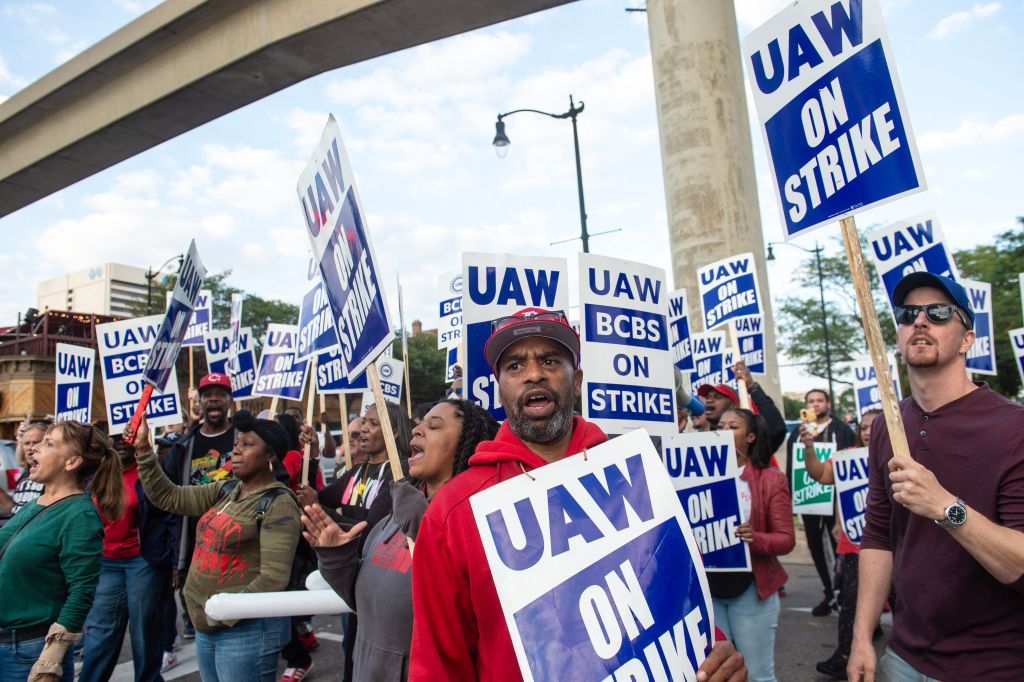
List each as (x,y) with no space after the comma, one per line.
(215,379)
(550,324)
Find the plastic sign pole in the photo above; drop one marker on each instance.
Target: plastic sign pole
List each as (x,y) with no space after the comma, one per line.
(876,344)
(133,426)
(385,421)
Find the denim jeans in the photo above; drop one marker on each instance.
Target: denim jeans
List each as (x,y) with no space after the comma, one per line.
(895,669)
(246,652)
(18,657)
(128,597)
(750,623)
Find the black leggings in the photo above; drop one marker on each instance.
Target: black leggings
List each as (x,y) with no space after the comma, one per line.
(847,603)
(817,528)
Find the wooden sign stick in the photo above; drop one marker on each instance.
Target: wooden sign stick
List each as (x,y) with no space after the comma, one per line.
(309,415)
(273,406)
(191,377)
(385,421)
(343,405)
(876,344)
(736,357)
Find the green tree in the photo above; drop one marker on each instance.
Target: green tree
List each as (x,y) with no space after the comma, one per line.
(998,264)
(426,367)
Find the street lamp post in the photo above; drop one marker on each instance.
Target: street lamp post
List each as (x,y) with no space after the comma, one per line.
(151,275)
(501,143)
(817,251)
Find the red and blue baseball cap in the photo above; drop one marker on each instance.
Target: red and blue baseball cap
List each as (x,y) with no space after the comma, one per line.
(549,324)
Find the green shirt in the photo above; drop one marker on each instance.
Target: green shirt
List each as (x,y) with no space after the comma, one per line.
(49,571)
(231,554)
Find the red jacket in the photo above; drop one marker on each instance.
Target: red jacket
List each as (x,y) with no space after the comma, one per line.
(771,519)
(459,631)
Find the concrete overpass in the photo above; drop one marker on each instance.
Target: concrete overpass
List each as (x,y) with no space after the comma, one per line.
(187,62)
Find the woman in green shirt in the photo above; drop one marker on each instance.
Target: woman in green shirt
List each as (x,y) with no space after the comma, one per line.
(50,552)
(241,546)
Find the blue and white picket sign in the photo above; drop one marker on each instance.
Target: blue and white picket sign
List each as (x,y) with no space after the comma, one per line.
(316,327)
(596,567)
(331,377)
(865,385)
(1017,344)
(390,371)
(280,374)
(218,348)
(703,470)
(74,365)
(344,253)
(809,496)
(912,245)
(202,318)
(709,351)
(679,330)
(728,290)
(180,310)
(629,382)
(449,312)
(497,285)
(851,471)
(452,355)
(1020,281)
(124,348)
(831,111)
(750,337)
(235,327)
(981,358)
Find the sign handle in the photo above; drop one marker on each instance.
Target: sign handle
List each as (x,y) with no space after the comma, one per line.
(876,344)
(191,376)
(385,421)
(408,386)
(309,415)
(273,406)
(343,405)
(140,409)
(735,344)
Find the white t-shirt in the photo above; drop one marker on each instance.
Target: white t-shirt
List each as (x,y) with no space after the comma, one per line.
(746,501)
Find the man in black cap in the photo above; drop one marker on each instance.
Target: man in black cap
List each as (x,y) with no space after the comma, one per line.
(946,526)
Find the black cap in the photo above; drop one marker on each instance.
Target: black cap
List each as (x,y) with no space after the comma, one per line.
(916,280)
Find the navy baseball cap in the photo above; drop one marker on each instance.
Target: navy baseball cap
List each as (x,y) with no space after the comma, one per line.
(916,280)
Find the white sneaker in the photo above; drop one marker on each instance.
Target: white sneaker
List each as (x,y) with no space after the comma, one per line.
(170,660)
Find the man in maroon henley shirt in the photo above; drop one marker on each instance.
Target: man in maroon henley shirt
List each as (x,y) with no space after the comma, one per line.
(946,527)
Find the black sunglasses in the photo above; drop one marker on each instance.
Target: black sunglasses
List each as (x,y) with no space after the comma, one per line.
(937,313)
(551,316)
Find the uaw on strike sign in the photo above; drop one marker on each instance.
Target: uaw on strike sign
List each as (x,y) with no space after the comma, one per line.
(596,568)
(831,111)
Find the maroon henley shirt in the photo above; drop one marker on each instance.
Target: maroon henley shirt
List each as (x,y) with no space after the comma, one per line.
(952,620)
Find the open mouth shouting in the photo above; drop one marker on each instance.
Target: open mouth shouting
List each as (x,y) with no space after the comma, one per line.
(538,403)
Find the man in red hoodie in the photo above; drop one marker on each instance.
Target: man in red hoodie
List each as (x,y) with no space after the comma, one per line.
(459,631)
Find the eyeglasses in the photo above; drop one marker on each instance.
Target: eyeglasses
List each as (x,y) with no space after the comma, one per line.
(937,313)
(551,316)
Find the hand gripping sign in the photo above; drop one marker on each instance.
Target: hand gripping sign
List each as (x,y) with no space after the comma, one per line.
(851,472)
(344,253)
(596,568)
(981,358)
(703,470)
(280,375)
(124,348)
(912,245)
(496,286)
(831,111)
(218,348)
(679,331)
(629,382)
(74,366)
(160,360)
(809,496)
(865,385)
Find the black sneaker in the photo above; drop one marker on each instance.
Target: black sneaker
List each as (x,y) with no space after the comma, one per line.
(834,667)
(826,607)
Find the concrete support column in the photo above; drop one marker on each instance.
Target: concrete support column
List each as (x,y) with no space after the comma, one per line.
(708,163)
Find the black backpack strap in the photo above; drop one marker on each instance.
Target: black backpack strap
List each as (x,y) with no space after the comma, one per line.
(226,489)
(263,505)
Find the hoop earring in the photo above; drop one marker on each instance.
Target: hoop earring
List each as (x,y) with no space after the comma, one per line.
(270,464)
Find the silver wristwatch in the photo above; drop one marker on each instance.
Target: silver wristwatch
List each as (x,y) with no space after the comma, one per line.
(955,515)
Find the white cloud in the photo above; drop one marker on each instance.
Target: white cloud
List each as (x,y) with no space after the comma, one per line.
(752,13)
(9,79)
(959,21)
(972,132)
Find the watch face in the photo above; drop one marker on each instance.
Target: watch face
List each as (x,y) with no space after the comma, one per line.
(956,515)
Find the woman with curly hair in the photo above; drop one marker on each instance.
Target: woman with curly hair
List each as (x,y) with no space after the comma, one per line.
(440,449)
(50,551)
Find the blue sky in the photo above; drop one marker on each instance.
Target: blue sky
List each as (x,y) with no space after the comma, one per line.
(418,126)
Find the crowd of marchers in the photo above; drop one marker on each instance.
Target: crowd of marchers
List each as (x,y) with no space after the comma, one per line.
(104,538)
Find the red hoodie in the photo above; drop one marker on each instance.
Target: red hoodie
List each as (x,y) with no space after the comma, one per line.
(459,631)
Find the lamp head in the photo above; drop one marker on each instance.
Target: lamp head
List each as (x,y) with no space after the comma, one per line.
(771,254)
(501,141)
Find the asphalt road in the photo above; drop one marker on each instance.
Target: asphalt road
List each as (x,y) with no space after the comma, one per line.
(802,639)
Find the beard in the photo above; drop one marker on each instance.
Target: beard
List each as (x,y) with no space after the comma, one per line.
(555,428)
